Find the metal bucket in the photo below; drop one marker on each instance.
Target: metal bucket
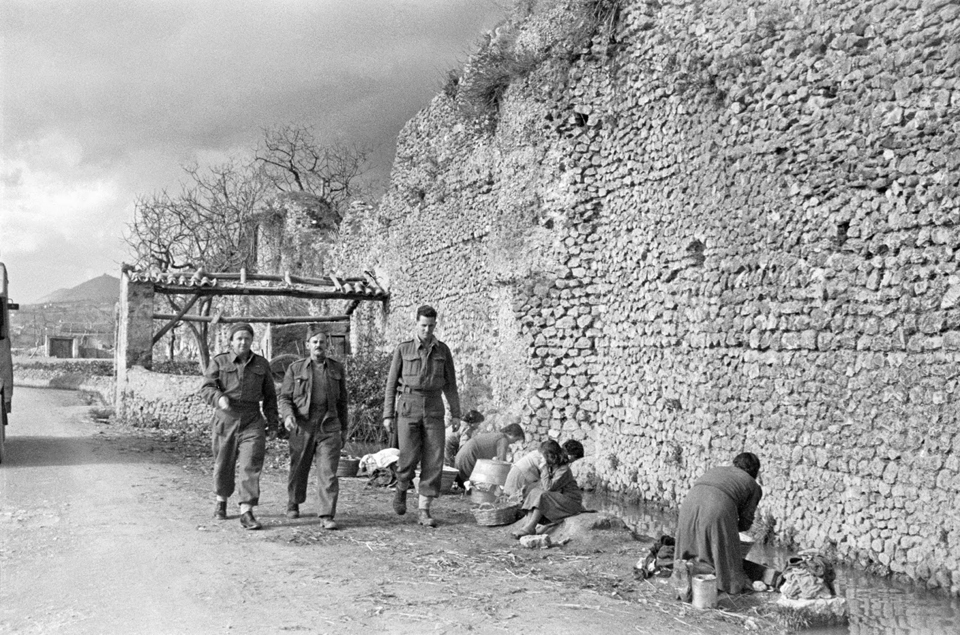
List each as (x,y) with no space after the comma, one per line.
(704,587)
(484,493)
(746,544)
(490,471)
(348,467)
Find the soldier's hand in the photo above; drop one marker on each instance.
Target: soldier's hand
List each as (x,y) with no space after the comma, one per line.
(388,424)
(288,423)
(224,403)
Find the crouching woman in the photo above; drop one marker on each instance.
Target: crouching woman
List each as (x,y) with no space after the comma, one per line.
(558,495)
(721,504)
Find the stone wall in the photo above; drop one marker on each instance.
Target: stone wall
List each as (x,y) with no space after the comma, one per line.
(71,375)
(159,400)
(679,230)
(294,234)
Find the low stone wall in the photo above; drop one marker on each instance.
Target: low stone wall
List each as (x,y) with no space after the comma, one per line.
(63,376)
(158,400)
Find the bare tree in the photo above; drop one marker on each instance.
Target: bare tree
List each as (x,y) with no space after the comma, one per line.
(210,224)
(293,159)
(212,221)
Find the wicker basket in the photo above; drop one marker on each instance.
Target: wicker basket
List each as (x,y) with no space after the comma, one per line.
(348,467)
(490,516)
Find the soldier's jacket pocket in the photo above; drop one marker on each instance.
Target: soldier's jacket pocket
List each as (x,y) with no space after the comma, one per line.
(411,364)
(301,398)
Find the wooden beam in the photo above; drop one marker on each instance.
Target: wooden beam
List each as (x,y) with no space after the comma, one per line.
(292,319)
(352,307)
(291,292)
(242,276)
(175,319)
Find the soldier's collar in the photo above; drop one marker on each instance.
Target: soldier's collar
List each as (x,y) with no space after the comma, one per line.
(239,360)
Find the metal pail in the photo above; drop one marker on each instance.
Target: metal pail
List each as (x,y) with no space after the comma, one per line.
(490,471)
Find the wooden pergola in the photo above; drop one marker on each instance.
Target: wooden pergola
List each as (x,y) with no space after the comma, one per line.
(136,335)
(198,284)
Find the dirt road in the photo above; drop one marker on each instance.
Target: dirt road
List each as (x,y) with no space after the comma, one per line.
(107,529)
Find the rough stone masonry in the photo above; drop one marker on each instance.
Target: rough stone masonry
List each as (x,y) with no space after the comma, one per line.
(682,229)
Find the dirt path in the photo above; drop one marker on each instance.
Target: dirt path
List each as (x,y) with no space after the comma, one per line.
(108,530)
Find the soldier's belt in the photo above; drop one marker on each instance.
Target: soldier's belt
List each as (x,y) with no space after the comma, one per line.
(406,390)
(245,406)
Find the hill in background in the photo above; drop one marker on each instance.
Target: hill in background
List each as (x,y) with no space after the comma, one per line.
(105,288)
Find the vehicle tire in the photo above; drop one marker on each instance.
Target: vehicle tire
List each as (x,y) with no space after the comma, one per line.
(279,364)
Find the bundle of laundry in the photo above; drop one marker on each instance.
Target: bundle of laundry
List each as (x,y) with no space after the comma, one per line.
(808,576)
(381,467)
(658,561)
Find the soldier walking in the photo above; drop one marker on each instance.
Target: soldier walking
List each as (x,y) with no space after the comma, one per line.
(313,403)
(421,374)
(235,384)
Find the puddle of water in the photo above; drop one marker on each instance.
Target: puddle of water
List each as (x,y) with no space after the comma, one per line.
(878,606)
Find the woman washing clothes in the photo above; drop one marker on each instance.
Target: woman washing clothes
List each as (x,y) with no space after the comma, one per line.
(721,504)
(487,445)
(557,497)
(456,437)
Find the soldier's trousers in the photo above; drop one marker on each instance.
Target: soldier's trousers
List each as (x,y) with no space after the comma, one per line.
(422,438)
(326,447)
(239,441)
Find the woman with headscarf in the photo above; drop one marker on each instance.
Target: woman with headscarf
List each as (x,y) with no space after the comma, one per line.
(456,437)
(721,504)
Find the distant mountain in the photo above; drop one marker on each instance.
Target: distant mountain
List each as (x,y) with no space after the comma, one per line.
(100,290)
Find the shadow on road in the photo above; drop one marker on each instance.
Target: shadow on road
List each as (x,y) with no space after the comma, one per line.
(35,451)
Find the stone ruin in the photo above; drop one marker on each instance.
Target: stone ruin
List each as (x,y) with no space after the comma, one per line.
(682,229)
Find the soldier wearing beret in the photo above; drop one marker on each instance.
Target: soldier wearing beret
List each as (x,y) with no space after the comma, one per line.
(236,383)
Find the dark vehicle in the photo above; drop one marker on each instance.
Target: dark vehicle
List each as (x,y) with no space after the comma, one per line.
(6,361)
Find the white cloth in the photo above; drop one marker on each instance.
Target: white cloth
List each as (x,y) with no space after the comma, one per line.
(381,459)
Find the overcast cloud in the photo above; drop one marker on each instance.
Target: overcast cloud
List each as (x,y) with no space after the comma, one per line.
(106,100)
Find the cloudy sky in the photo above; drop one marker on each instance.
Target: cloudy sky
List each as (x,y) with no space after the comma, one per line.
(104,100)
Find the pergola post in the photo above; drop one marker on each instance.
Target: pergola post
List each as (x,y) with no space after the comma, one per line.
(134,329)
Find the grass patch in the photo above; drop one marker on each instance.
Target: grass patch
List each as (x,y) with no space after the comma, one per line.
(490,73)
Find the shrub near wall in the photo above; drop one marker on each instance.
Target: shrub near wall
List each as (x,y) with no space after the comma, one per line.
(695,228)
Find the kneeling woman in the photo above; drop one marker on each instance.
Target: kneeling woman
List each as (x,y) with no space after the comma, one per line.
(558,495)
(721,504)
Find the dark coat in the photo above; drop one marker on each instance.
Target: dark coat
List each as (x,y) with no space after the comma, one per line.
(721,504)
(245,385)
(297,388)
(409,373)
